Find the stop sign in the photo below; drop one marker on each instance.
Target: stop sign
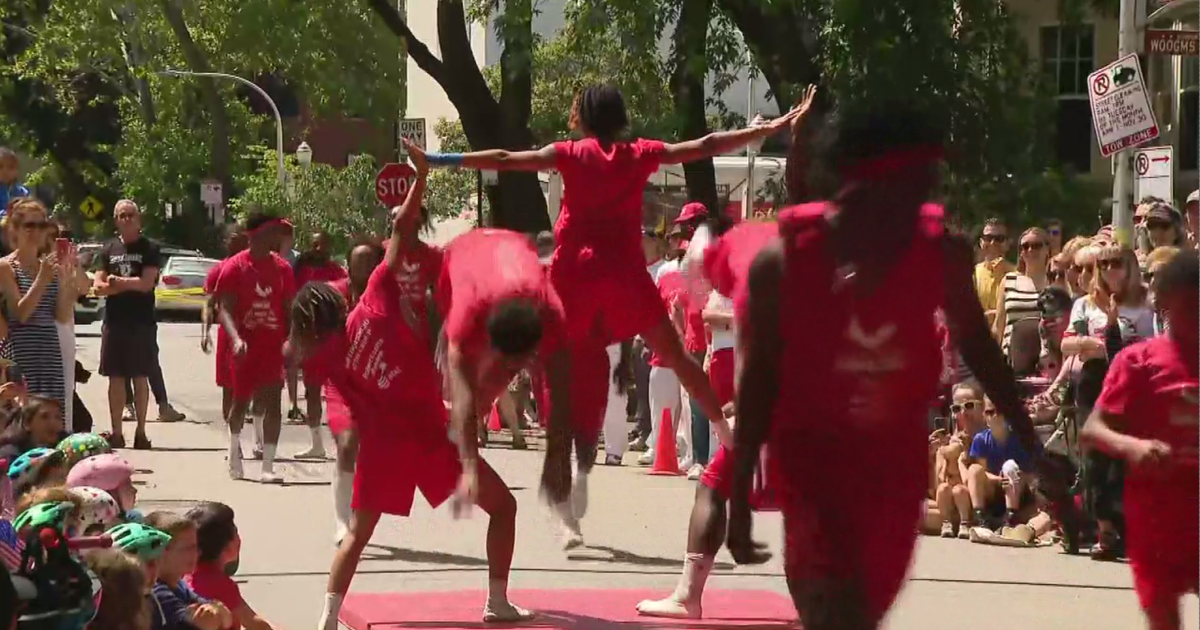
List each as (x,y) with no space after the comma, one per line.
(392,182)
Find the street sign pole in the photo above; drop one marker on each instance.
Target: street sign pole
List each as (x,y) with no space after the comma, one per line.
(1122,210)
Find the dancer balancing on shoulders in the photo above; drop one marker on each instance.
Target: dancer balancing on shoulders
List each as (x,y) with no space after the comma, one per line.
(598,267)
(1147,415)
(851,381)
(391,385)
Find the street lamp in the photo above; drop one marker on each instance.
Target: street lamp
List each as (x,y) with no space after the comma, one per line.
(282,173)
(304,154)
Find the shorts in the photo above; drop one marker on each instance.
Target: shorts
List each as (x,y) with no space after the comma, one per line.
(590,377)
(721,375)
(224,358)
(718,477)
(262,366)
(1162,542)
(622,302)
(337,412)
(393,464)
(128,350)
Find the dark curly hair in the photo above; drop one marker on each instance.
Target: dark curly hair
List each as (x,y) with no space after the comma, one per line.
(599,111)
(318,310)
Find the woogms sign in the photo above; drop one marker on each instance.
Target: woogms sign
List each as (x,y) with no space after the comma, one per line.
(1178,43)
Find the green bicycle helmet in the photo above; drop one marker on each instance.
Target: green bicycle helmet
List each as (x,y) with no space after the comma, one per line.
(44,515)
(145,542)
(81,446)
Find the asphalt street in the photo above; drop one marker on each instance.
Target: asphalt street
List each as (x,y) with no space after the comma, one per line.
(635,528)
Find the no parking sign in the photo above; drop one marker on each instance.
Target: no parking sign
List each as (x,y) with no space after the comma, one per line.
(1121,109)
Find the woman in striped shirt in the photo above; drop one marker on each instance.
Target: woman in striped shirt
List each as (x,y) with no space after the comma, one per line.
(1019,299)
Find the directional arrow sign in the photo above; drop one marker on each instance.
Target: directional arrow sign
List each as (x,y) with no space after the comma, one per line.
(1154,173)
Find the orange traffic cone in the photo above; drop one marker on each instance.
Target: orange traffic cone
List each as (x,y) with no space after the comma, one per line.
(494,423)
(666,460)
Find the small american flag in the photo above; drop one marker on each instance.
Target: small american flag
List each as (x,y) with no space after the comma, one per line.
(11,546)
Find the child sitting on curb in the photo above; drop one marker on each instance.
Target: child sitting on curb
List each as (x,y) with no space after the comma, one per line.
(220,545)
(179,607)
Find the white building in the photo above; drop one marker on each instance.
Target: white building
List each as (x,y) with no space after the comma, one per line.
(427,100)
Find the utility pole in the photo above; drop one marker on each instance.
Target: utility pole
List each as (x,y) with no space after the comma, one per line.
(1122,210)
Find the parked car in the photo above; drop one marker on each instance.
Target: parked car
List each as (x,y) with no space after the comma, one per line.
(181,284)
(90,308)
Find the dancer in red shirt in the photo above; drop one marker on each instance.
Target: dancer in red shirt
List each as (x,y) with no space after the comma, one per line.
(254,292)
(598,267)
(392,387)
(235,241)
(1147,414)
(314,265)
(840,360)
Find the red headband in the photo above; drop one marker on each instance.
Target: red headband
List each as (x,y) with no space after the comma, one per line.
(892,162)
(270,224)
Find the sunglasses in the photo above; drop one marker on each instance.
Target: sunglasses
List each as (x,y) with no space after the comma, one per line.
(994,238)
(1108,263)
(1032,246)
(970,405)
(1155,224)
(35,225)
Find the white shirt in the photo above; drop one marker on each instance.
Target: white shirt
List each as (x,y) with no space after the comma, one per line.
(722,339)
(1136,322)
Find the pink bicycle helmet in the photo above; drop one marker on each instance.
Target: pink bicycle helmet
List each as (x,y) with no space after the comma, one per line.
(107,471)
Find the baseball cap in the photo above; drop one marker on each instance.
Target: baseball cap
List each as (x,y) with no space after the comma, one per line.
(1161,211)
(690,211)
(1194,197)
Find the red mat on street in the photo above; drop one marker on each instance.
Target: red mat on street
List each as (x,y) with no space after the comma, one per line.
(582,609)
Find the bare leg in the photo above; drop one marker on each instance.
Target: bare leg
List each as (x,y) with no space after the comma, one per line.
(271,399)
(141,402)
(962,504)
(343,480)
(1164,615)
(293,375)
(116,406)
(345,563)
(312,402)
(501,507)
(506,404)
(665,342)
(706,533)
(235,420)
(950,516)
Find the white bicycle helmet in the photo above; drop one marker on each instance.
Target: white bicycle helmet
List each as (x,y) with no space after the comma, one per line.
(99,509)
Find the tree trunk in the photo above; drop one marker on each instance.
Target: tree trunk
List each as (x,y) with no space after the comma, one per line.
(783,43)
(517,203)
(134,58)
(687,90)
(222,152)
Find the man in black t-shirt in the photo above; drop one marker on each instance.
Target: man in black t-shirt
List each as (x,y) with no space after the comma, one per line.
(129,266)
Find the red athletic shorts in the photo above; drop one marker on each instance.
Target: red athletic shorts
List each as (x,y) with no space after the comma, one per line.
(260,367)
(721,374)
(1163,544)
(625,302)
(336,411)
(590,381)
(224,358)
(399,455)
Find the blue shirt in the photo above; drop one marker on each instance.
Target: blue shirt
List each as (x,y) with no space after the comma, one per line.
(986,446)
(8,193)
(169,608)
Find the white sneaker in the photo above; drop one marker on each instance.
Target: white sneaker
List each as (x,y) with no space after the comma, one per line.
(669,608)
(686,463)
(316,451)
(235,468)
(695,472)
(270,477)
(505,612)
(646,459)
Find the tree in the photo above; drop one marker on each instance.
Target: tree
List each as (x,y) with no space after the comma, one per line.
(451,192)
(488,121)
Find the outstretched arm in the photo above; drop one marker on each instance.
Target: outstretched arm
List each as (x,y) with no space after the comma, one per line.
(406,220)
(499,159)
(969,330)
(725,141)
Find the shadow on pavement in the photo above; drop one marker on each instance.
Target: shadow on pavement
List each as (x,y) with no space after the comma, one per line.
(1093,587)
(425,557)
(188,449)
(483,568)
(627,557)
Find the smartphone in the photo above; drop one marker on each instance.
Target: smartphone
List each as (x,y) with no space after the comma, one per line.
(62,247)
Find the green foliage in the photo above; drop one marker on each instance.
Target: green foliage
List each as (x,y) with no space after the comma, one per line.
(339,201)
(451,191)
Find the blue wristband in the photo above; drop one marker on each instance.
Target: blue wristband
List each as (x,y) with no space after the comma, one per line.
(444,159)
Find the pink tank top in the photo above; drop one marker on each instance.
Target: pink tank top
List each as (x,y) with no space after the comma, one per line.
(858,371)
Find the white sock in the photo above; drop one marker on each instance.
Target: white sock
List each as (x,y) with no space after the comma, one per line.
(343,492)
(696,567)
(258,432)
(579,494)
(497,592)
(315,434)
(235,445)
(268,465)
(329,615)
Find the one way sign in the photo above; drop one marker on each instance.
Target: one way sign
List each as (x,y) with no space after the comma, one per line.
(1154,173)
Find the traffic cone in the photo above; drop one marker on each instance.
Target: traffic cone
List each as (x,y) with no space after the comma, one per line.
(494,423)
(666,460)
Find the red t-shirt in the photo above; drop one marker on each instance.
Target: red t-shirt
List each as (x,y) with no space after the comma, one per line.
(419,270)
(600,222)
(210,280)
(672,288)
(1154,387)
(483,268)
(262,292)
(210,582)
(328,272)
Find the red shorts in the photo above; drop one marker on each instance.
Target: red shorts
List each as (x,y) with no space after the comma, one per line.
(590,378)
(1163,546)
(622,302)
(393,463)
(718,475)
(262,366)
(721,374)
(224,358)
(336,411)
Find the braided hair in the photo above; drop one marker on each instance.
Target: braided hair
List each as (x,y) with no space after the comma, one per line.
(599,111)
(318,310)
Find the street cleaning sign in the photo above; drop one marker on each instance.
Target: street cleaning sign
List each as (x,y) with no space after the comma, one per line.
(1121,109)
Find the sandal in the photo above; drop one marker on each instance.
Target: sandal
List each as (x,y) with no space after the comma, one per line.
(115,441)
(141,442)
(1108,548)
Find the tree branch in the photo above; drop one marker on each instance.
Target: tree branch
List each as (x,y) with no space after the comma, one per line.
(420,53)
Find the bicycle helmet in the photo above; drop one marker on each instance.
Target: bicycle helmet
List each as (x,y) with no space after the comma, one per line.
(107,471)
(81,446)
(26,468)
(99,508)
(44,515)
(145,542)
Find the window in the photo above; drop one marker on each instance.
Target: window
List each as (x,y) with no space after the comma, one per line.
(1068,57)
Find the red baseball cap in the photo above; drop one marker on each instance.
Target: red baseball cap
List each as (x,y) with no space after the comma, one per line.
(693,210)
